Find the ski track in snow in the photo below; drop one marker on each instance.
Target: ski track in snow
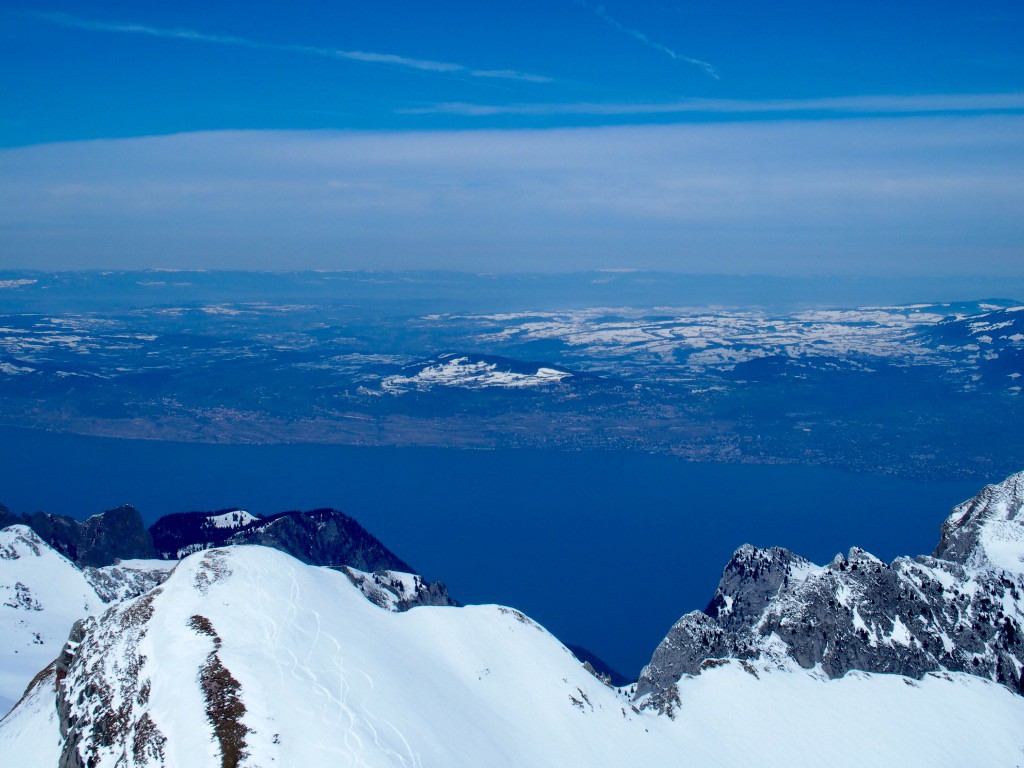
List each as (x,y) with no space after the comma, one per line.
(335,712)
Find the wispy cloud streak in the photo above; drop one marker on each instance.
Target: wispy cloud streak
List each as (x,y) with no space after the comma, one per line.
(849,105)
(636,34)
(364,57)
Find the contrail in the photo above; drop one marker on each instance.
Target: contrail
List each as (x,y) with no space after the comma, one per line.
(638,35)
(887,105)
(365,57)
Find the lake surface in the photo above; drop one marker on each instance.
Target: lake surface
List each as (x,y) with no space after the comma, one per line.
(605,549)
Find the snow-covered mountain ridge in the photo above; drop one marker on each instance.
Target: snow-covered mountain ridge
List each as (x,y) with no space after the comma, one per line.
(960,609)
(245,656)
(44,591)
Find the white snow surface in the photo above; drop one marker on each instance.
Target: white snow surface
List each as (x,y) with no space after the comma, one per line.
(327,678)
(42,594)
(467,374)
(235,519)
(30,736)
(143,565)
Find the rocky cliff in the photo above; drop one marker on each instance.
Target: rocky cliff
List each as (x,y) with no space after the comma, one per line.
(117,534)
(960,609)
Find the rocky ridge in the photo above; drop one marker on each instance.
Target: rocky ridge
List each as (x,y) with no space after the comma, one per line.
(97,541)
(960,609)
(322,537)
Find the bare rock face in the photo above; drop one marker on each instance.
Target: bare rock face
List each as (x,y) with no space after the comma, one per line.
(8,518)
(959,610)
(103,691)
(124,581)
(117,534)
(322,537)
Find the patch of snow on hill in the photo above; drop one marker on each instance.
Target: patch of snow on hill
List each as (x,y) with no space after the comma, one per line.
(466,374)
(41,595)
(235,519)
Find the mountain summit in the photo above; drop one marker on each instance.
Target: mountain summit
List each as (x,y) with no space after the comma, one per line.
(247,656)
(961,609)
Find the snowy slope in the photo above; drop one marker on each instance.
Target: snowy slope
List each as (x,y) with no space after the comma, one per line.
(245,656)
(42,594)
(30,736)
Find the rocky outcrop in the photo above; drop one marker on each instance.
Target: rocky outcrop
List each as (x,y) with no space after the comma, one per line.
(322,537)
(960,610)
(988,530)
(397,591)
(117,534)
(598,667)
(123,581)
(103,691)
(8,518)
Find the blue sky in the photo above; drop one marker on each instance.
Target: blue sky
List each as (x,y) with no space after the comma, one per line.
(879,137)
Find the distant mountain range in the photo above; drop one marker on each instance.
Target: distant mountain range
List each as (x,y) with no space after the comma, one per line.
(245,655)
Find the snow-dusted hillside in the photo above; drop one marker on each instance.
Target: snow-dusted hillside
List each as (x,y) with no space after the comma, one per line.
(248,657)
(969,340)
(476,372)
(42,594)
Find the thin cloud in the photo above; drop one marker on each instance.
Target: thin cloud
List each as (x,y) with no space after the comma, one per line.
(364,57)
(849,105)
(636,34)
(941,194)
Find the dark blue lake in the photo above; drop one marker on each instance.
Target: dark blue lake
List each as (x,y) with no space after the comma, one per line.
(606,550)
